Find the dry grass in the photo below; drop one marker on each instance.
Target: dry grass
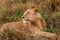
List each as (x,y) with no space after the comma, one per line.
(12,10)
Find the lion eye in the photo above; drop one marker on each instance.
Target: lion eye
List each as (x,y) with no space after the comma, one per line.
(28,12)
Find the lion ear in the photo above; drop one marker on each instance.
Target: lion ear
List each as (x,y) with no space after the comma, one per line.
(32,7)
(36,9)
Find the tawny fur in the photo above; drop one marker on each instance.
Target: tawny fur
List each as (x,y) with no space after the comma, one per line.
(17,24)
(33,15)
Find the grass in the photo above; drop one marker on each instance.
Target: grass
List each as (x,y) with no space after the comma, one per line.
(6,9)
(17,15)
(49,30)
(21,5)
(58,15)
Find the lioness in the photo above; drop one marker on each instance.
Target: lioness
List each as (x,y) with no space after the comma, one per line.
(33,15)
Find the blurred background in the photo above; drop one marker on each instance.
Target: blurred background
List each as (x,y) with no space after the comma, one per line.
(12,10)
